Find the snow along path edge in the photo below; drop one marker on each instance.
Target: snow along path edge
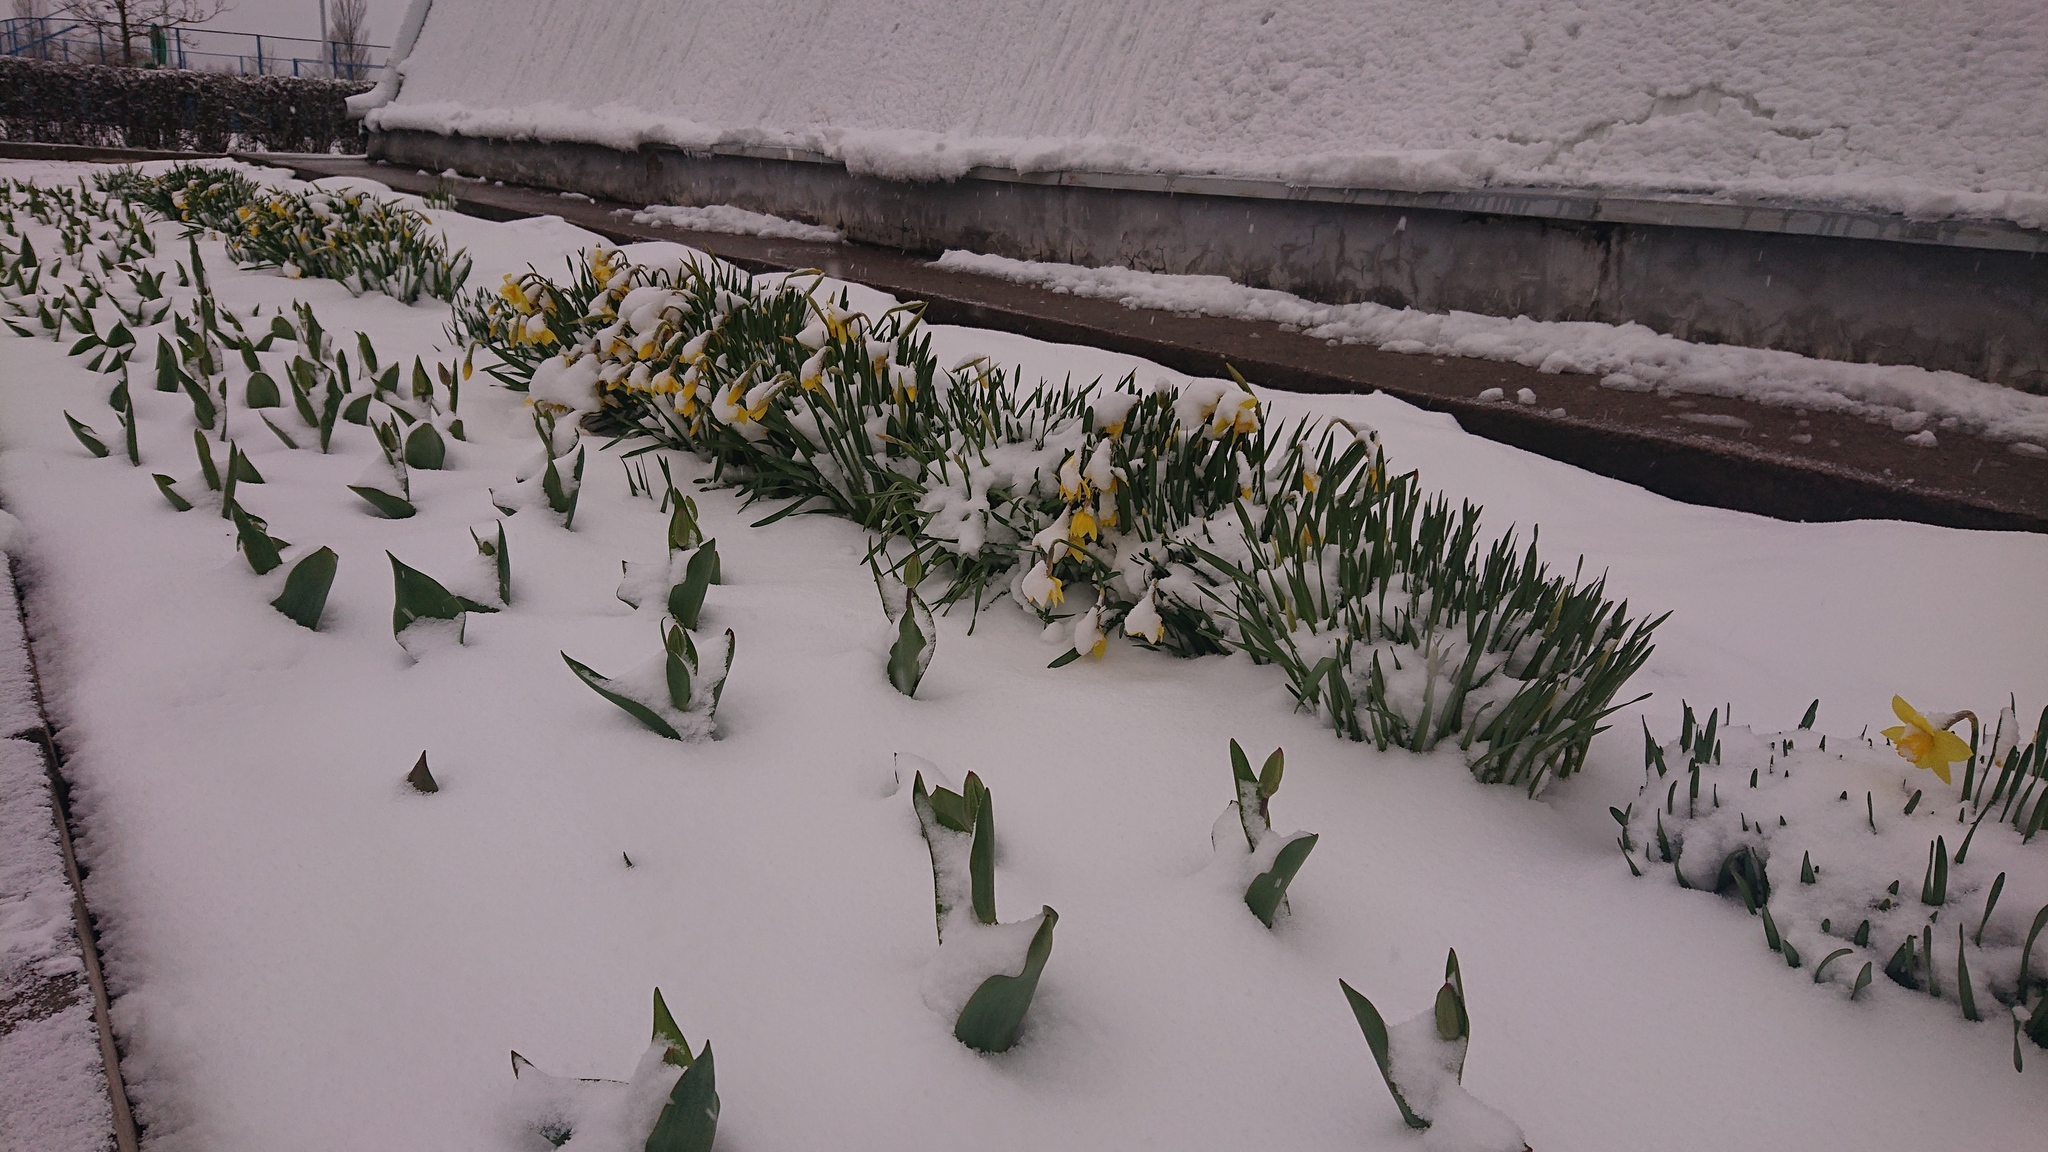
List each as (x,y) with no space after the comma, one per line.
(1629,357)
(61,1088)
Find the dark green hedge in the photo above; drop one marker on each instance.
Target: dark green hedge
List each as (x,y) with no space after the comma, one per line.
(173,109)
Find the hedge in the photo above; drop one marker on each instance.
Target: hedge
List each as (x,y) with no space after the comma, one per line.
(174,109)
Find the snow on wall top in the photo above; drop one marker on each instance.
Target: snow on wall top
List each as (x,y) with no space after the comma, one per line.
(1932,107)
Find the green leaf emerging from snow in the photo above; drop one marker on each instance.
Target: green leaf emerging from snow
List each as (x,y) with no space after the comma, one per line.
(638,711)
(995,1013)
(306,587)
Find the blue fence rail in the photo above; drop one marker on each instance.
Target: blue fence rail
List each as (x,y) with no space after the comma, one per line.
(74,41)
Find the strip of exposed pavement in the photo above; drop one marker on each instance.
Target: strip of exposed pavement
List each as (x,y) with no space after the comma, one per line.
(1789,463)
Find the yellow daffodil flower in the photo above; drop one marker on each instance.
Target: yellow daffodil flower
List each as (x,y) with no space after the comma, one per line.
(1924,744)
(1073,485)
(1083,527)
(836,322)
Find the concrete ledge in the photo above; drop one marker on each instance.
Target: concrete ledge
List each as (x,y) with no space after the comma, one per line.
(1678,210)
(93,153)
(1969,297)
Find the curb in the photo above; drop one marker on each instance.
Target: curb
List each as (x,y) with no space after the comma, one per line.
(125,1132)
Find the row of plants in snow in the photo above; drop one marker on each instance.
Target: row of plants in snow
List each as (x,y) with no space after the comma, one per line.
(105,290)
(985,975)
(1181,519)
(225,375)
(1857,878)
(365,243)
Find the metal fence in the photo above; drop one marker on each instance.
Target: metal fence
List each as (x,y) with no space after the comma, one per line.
(74,41)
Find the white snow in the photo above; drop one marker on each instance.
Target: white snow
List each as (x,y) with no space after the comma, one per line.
(17,690)
(1842,809)
(1629,357)
(306,955)
(734,221)
(1929,107)
(53,1091)
(53,1095)
(1426,1068)
(36,939)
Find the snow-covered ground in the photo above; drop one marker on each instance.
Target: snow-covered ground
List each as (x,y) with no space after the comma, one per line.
(1915,401)
(306,954)
(53,1091)
(733,221)
(1930,107)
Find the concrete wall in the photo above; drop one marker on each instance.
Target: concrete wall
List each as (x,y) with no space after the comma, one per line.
(1970,298)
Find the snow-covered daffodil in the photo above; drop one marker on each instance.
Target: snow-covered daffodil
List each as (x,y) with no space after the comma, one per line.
(1088,637)
(1073,485)
(1235,411)
(1924,744)
(1041,587)
(1101,472)
(1143,620)
(812,375)
(1052,539)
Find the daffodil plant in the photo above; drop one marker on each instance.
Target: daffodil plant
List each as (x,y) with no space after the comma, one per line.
(1273,860)
(424,613)
(917,634)
(1181,519)
(676,694)
(988,1009)
(1725,801)
(553,478)
(365,242)
(1422,1060)
(682,1083)
(1926,744)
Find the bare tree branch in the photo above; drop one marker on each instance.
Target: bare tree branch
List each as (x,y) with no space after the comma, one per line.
(346,20)
(129,20)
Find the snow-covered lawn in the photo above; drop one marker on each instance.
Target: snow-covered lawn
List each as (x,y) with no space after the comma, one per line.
(308,954)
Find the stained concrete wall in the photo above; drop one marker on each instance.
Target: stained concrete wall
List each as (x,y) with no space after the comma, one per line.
(1970,298)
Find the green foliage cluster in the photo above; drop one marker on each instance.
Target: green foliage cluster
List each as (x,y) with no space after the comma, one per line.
(365,243)
(1199,525)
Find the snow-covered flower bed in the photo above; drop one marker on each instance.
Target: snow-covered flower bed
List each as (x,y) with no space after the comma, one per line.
(318,941)
(1198,526)
(1732,814)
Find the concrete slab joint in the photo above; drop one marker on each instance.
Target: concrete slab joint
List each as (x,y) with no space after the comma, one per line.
(1961,296)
